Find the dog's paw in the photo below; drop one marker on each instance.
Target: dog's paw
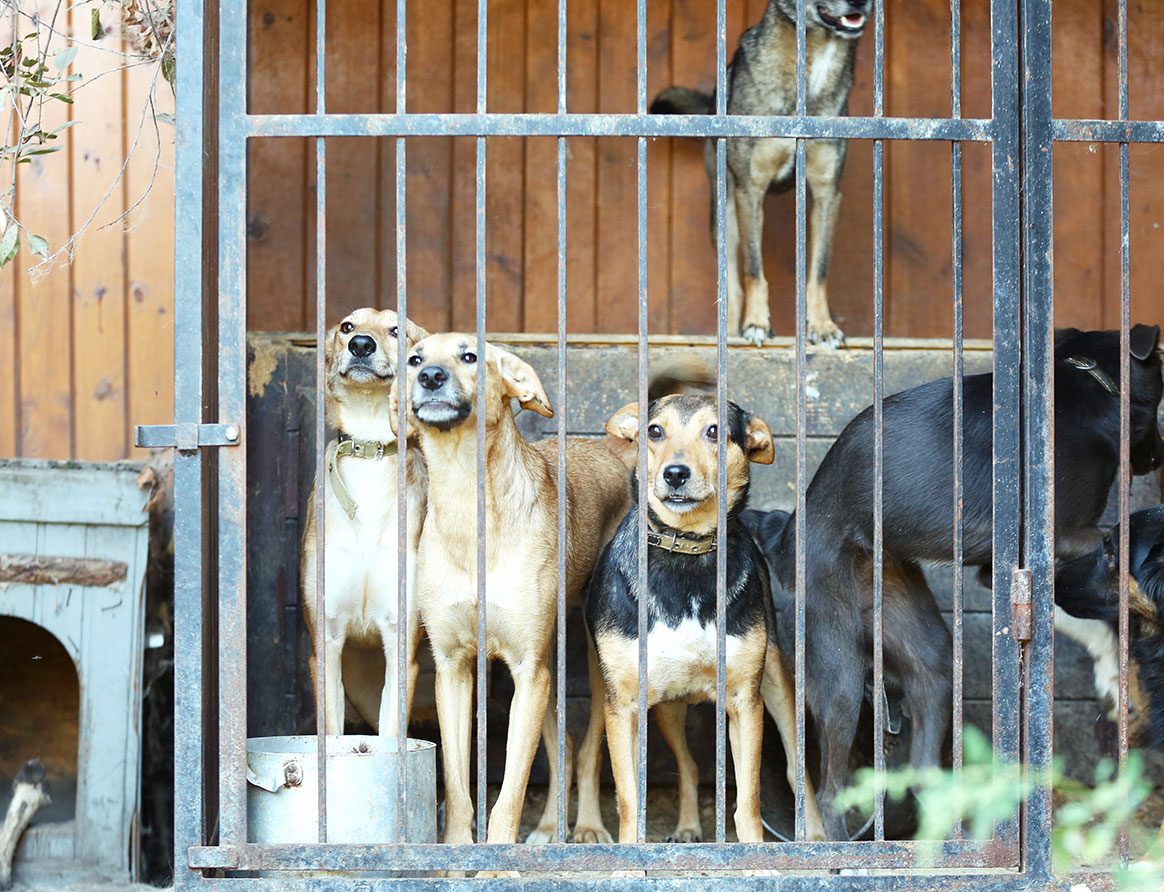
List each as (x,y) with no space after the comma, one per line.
(541,835)
(686,834)
(826,333)
(592,834)
(757,334)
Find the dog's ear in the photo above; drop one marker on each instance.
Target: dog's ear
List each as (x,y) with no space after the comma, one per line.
(415,333)
(624,423)
(1144,339)
(760,448)
(519,381)
(329,346)
(394,410)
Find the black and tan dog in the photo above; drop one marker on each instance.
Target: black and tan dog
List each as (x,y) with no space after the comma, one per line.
(683,445)
(1088,587)
(762,81)
(918,526)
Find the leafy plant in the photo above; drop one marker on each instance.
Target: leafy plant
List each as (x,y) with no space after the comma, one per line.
(989,790)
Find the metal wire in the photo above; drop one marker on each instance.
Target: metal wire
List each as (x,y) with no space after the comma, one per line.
(722,422)
(563,783)
(482,662)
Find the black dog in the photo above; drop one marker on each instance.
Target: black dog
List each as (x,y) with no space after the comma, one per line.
(683,445)
(1088,587)
(918,526)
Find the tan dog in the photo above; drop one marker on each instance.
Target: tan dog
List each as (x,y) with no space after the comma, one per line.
(521,536)
(683,443)
(361,537)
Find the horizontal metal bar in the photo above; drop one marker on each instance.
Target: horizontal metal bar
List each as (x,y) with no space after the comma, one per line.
(1083,130)
(900,855)
(186,437)
(810,126)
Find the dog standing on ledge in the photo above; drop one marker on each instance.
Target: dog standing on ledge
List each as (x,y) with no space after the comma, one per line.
(761,80)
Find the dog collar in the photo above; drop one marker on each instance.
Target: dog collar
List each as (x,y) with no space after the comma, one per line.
(1086,364)
(345,445)
(670,541)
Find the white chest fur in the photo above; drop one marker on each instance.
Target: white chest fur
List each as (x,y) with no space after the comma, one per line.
(681,660)
(821,67)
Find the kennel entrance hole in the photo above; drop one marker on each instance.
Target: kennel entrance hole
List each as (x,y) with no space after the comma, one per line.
(40,701)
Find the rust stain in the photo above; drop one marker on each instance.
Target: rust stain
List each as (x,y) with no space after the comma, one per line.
(264,359)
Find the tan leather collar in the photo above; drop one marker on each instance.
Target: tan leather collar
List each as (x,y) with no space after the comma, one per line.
(671,541)
(345,445)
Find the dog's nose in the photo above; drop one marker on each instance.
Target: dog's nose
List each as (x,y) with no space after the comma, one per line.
(431,377)
(676,475)
(361,346)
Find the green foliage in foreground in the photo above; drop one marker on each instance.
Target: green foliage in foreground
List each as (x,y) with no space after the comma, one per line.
(988,790)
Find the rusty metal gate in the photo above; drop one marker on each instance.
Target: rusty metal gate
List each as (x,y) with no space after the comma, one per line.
(214,129)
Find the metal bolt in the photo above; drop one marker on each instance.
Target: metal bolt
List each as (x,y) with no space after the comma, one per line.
(232,433)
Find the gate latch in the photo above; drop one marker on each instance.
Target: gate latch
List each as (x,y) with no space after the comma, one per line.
(1020,604)
(186,437)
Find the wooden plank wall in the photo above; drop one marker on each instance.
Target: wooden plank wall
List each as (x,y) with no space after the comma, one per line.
(87,349)
(521,198)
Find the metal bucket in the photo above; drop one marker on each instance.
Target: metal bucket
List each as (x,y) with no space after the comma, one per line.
(362,794)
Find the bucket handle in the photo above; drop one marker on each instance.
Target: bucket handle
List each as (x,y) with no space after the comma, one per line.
(290,775)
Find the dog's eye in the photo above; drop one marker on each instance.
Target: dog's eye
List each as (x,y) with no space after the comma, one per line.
(712,433)
(654,432)
(393,331)
(414,360)
(469,357)
(346,327)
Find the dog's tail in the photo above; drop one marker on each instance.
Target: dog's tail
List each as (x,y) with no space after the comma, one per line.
(683,101)
(680,373)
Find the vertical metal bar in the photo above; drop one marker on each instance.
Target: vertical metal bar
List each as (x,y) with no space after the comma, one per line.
(1036,313)
(722,422)
(801,420)
(232,463)
(188,329)
(482,692)
(878,429)
(402,627)
(1125,474)
(561,661)
(321,426)
(958,388)
(641,109)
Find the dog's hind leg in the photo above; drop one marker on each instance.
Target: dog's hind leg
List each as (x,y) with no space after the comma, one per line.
(547,828)
(756,323)
(531,691)
(824,160)
(334,702)
(839,684)
(777,692)
(589,826)
(918,647)
(672,719)
(454,701)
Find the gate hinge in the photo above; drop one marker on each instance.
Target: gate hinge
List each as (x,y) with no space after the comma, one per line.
(1020,604)
(186,437)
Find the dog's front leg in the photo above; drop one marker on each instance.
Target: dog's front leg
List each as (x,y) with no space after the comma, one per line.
(621,737)
(454,702)
(756,324)
(672,720)
(745,714)
(531,692)
(334,704)
(824,160)
(589,826)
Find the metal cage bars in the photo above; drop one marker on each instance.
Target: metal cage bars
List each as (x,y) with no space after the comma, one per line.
(1023,343)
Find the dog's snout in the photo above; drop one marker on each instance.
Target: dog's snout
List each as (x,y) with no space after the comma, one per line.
(361,346)
(676,475)
(432,377)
